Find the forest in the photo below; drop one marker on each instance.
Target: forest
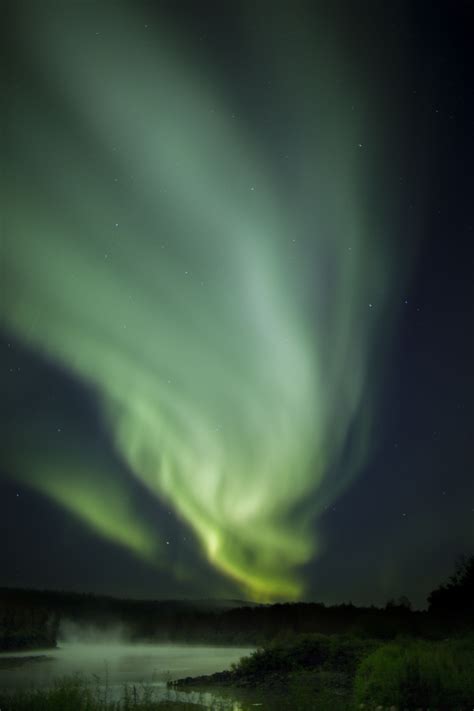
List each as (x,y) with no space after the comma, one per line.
(32,619)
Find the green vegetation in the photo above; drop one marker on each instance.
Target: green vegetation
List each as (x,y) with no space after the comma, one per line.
(321,672)
(330,654)
(417,673)
(306,672)
(74,694)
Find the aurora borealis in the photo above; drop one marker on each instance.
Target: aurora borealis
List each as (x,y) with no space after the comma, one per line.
(223,274)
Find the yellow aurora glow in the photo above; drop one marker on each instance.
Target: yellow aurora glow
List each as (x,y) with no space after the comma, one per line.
(225,330)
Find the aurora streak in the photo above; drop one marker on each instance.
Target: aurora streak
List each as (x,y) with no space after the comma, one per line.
(162,264)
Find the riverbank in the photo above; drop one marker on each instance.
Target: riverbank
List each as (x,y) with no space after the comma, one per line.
(301,673)
(318,672)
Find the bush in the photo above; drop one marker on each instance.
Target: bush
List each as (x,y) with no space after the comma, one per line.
(418,674)
(306,652)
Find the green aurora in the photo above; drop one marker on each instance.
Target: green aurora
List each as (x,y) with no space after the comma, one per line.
(226,323)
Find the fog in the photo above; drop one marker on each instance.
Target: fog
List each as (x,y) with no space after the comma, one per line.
(105,658)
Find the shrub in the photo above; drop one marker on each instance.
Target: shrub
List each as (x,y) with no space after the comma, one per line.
(418,674)
(305,652)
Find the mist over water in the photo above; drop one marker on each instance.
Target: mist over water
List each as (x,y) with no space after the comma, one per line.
(123,663)
(107,660)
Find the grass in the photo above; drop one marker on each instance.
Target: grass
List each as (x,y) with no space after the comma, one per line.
(418,674)
(309,673)
(75,694)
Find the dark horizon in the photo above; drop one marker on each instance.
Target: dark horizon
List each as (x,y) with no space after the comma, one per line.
(402,599)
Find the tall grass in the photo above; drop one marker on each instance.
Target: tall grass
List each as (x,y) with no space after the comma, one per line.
(418,674)
(75,694)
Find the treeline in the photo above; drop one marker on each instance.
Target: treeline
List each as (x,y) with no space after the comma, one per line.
(27,624)
(30,618)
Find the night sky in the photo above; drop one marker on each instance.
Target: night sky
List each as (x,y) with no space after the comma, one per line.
(237,299)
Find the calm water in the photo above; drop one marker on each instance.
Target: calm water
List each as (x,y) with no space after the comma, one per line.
(119,664)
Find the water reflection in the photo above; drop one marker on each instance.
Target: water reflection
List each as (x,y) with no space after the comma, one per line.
(115,669)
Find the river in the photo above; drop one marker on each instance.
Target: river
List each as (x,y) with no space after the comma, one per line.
(112,666)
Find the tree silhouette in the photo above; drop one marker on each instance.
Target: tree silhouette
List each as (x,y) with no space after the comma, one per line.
(456,597)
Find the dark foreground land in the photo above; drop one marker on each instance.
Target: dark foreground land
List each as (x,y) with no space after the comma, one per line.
(309,656)
(303,673)
(322,672)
